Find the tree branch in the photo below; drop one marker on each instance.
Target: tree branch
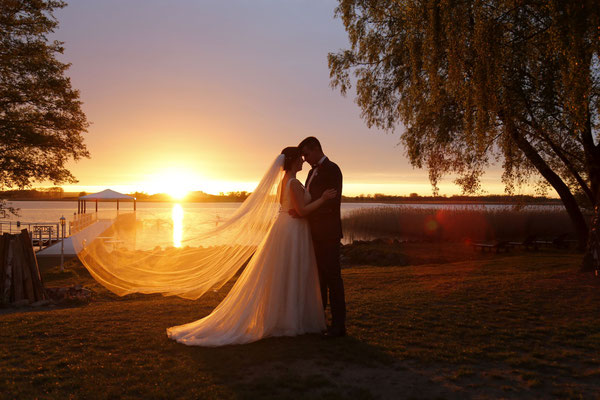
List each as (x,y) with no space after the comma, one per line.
(557,150)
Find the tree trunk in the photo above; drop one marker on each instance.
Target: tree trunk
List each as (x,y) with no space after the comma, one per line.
(579,224)
(591,259)
(4,276)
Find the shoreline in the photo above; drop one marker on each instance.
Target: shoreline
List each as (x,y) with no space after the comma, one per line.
(350,201)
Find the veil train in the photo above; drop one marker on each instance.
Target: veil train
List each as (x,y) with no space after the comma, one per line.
(188,272)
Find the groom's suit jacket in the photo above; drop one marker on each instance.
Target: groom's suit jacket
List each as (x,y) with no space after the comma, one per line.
(325,222)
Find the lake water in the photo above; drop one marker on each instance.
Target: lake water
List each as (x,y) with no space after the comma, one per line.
(172,222)
(51,211)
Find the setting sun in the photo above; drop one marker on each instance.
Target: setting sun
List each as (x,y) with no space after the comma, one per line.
(177,183)
(177,193)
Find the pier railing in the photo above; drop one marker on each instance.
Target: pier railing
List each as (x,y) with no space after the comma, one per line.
(42,234)
(81,221)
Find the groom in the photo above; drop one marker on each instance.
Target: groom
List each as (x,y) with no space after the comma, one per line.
(326,229)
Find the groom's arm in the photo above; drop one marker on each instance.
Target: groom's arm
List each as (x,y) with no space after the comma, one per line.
(334,181)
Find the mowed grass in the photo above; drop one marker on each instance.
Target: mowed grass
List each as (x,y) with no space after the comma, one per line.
(522,325)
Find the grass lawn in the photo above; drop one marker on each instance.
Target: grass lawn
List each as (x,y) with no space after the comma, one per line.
(517,325)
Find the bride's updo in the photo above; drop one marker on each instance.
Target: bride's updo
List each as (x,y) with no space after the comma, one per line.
(291,155)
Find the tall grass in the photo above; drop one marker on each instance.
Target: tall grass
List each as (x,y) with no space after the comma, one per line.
(477,223)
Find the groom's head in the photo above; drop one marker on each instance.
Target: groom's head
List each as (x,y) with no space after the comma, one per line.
(311,150)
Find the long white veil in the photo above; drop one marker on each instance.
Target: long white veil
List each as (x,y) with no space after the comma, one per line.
(189,272)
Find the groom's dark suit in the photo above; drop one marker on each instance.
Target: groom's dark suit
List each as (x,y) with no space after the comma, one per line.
(326,229)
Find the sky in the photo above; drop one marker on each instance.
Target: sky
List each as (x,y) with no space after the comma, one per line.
(204,94)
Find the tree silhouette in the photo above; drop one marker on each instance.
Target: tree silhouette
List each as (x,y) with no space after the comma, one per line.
(41,121)
(477,82)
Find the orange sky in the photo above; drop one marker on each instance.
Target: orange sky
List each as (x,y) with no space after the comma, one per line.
(202,95)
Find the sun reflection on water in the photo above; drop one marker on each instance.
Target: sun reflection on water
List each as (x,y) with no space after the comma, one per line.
(177,216)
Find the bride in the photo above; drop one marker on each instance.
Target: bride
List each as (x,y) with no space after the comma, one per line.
(278,292)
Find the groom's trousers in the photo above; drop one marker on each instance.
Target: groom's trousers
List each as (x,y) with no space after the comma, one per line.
(327,253)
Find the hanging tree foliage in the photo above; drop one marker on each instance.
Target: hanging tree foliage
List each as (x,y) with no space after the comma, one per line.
(41,121)
(476,82)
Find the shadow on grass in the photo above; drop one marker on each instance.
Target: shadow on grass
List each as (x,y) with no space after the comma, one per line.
(307,366)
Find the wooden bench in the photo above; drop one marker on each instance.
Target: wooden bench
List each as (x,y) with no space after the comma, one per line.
(559,241)
(498,246)
(530,242)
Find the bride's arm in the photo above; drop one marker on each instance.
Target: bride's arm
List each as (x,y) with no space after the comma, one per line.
(298,199)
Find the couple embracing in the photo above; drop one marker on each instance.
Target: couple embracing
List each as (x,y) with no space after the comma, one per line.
(295,270)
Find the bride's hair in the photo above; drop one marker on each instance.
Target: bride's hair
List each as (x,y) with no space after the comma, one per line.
(291,155)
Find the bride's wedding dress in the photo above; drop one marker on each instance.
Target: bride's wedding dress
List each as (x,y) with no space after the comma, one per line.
(277,294)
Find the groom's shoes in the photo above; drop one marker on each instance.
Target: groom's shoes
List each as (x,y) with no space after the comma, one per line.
(334,332)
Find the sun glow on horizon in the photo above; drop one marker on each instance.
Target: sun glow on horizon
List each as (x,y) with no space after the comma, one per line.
(181,180)
(177,193)
(176,182)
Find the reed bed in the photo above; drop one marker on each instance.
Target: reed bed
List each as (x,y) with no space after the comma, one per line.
(465,224)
